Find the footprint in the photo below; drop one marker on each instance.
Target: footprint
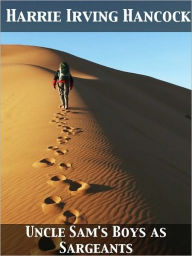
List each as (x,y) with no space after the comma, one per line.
(73,186)
(76,187)
(52,148)
(45,162)
(67,138)
(58,177)
(62,140)
(52,200)
(64,166)
(71,216)
(60,114)
(46,246)
(56,180)
(52,205)
(60,152)
(71,130)
(75,131)
(65,130)
(67,127)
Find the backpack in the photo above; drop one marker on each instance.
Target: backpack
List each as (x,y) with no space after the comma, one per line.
(64,71)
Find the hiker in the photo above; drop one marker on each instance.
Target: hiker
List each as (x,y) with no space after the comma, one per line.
(64,80)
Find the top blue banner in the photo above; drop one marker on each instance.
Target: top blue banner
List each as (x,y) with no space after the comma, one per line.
(96,16)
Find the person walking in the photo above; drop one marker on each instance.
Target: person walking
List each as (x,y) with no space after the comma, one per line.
(64,81)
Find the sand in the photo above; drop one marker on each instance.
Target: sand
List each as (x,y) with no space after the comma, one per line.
(120,155)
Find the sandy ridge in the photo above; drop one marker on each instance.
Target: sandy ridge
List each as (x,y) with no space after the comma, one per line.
(131,150)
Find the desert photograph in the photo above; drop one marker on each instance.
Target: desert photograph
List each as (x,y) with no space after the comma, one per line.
(118,153)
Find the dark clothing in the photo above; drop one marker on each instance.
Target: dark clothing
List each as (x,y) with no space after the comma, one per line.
(67,79)
(64,93)
(64,86)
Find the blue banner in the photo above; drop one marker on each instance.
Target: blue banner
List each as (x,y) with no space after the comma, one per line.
(87,16)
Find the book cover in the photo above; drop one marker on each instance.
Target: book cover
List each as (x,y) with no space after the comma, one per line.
(95,127)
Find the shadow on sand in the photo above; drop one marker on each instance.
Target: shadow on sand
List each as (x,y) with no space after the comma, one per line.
(95,188)
(144,118)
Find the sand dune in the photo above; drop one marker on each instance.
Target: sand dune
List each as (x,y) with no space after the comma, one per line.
(120,155)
